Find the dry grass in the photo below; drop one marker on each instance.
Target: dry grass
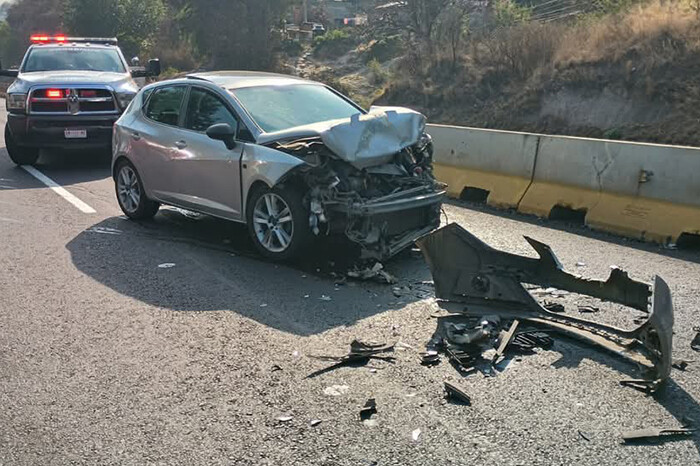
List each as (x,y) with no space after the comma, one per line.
(656,31)
(653,33)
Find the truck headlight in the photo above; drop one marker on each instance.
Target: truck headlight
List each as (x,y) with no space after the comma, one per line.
(125,99)
(16,102)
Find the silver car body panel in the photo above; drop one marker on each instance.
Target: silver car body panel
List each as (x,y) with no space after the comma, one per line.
(263,164)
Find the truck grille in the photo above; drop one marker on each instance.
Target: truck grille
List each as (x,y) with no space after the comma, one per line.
(72,101)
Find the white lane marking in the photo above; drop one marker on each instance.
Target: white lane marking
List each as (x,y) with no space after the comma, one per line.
(9,220)
(55,187)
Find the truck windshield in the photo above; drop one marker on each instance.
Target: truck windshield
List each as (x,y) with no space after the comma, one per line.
(276,108)
(73,59)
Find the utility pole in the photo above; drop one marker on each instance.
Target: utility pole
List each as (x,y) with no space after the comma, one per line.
(306,11)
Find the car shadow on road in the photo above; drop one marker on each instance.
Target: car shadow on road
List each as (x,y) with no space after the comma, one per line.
(690,251)
(192,263)
(64,167)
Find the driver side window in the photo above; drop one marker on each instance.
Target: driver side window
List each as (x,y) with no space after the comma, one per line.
(204,109)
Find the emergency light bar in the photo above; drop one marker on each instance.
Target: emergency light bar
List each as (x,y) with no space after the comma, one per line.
(61,39)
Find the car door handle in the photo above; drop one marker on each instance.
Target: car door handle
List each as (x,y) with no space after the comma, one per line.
(135,136)
(181,144)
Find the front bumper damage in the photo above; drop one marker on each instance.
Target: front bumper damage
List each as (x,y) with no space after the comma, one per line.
(473,279)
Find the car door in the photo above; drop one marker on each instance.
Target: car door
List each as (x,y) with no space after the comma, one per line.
(208,173)
(153,133)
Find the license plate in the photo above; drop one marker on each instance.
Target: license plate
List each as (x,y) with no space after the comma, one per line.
(75,134)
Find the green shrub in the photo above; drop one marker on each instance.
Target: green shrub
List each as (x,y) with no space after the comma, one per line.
(378,75)
(334,43)
(384,49)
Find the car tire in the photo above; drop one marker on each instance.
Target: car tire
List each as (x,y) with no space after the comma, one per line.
(278,235)
(131,194)
(18,154)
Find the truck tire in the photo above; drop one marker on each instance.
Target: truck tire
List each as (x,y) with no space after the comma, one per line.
(18,154)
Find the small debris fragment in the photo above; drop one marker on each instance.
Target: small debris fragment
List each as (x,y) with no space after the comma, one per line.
(325,298)
(397,292)
(263,305)
(695,344)
(307,296)
(429,358)
(376,272)
(276,368)
(505,341)
(368,410)
(415,434)
(580,264)
(315,422)
(584,435)
(554,307)
(652,433)
(680,364)
(588,309)
(167,265)
(285,418)
(456,393)
(528,341)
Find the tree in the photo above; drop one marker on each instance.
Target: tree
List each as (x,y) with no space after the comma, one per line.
(26,17)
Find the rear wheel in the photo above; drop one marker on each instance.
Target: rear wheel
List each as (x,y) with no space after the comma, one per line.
(278,222)
(131,194)
(18,154)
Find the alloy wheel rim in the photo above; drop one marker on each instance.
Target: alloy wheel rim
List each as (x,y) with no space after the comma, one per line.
(273,223)
(128,189)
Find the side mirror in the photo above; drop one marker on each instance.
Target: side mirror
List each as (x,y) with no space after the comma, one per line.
(8,73)
(223,132)
(153,67)
(135,61)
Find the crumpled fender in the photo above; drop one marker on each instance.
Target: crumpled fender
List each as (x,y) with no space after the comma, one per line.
(260,163)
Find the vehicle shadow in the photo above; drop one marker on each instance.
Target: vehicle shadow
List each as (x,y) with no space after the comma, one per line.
(64,167)
(217,269)
(688,250)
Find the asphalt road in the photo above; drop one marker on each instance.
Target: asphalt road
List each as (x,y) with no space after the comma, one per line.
(107,358)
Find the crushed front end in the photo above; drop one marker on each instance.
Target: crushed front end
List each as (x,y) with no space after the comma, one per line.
(379,200)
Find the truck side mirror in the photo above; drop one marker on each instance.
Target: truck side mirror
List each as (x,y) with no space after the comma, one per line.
(153,67)
(8,73)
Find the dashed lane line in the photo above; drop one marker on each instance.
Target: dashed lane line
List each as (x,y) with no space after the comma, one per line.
(58,189)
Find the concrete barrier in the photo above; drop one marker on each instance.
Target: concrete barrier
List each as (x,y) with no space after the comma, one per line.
(646,191)
(499,162)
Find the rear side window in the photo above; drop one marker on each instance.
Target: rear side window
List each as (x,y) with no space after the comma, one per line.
(204,109)
(165,105)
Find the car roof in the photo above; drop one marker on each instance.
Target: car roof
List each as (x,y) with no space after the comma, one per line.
(240,79)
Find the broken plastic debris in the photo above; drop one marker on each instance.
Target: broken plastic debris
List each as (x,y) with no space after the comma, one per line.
(167,265)
(336,390)
(554,307)
(285,418)
(376,272)
(653,433)
(263,305)
(588,309)
(369,409)
(325,298)
(315,422)
(456,393)
(415,434)
(695,344)
(105,231)
(580,264)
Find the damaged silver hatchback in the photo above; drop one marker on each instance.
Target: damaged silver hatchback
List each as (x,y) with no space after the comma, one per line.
(292,159)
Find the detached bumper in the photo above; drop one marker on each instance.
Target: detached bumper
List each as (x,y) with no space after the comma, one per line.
(49,131)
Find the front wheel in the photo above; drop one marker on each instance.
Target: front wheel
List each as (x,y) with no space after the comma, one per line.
(131,194)
(18,154)
(278,222)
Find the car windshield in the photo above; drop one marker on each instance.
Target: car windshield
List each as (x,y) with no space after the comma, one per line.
(276,108)
(73,59)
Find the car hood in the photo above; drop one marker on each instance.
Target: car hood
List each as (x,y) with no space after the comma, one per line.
(118,81)
(363,140)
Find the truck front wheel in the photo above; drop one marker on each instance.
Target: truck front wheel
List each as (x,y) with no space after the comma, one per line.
(18,154)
